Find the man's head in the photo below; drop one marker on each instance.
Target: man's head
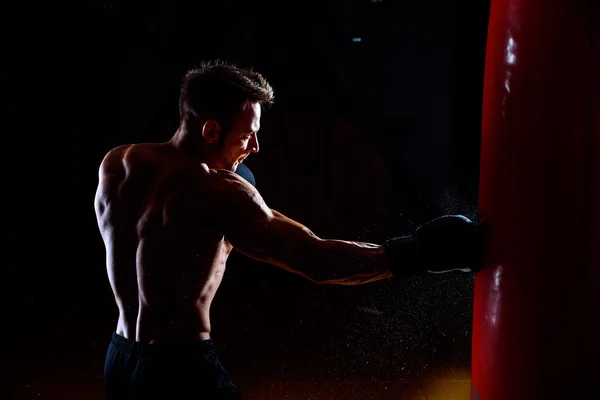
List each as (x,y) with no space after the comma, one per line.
(223,103)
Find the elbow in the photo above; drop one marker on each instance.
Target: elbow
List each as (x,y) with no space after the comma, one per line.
(316,277)
(318,281)
(316,274)
(328,280)
(321,276)
(318,270)
(324,277)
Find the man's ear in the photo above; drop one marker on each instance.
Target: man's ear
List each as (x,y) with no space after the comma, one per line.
(211,131)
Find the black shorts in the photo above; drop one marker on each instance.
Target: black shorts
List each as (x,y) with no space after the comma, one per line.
(143,371)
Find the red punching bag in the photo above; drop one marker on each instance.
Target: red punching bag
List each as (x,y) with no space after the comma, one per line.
(536,310)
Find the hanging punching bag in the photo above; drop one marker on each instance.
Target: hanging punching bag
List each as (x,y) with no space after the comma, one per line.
(536,310)
(593,236)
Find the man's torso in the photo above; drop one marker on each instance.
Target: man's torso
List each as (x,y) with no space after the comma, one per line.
(165,255)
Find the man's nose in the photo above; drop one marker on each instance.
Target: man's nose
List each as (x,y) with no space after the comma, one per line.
(254,144)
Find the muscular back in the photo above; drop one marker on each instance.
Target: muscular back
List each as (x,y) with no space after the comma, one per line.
(165,254)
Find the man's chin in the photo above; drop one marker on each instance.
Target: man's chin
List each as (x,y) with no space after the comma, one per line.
(234,166)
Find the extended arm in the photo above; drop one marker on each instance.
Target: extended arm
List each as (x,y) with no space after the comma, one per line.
(448,243)
(269,236)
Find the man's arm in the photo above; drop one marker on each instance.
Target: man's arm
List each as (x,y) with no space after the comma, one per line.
(267,235)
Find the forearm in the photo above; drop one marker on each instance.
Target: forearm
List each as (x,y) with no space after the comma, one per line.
(327,261)
(290,245)
(350,263)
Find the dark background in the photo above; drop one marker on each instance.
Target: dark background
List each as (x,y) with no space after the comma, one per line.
(367,139)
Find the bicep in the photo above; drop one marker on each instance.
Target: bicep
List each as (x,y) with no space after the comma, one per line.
(267,235)
(283,242)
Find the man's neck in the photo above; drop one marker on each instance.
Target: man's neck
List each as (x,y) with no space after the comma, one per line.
(189,144)
(192,144)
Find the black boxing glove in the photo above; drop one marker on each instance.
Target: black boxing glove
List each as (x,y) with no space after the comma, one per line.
(245,173)
(448,243)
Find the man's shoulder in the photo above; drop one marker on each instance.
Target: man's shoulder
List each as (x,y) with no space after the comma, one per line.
(132,153)
(232,192)
(116,155)
(120,152)
(226,181)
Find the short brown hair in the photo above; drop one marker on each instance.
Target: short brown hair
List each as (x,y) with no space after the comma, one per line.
(219,90)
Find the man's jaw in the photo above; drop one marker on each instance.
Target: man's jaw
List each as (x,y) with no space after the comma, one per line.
(236,164)
(241,159)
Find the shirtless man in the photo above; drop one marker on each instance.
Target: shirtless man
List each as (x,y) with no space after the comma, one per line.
(170,214)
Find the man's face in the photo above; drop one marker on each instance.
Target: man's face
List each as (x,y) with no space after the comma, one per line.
(242,139)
